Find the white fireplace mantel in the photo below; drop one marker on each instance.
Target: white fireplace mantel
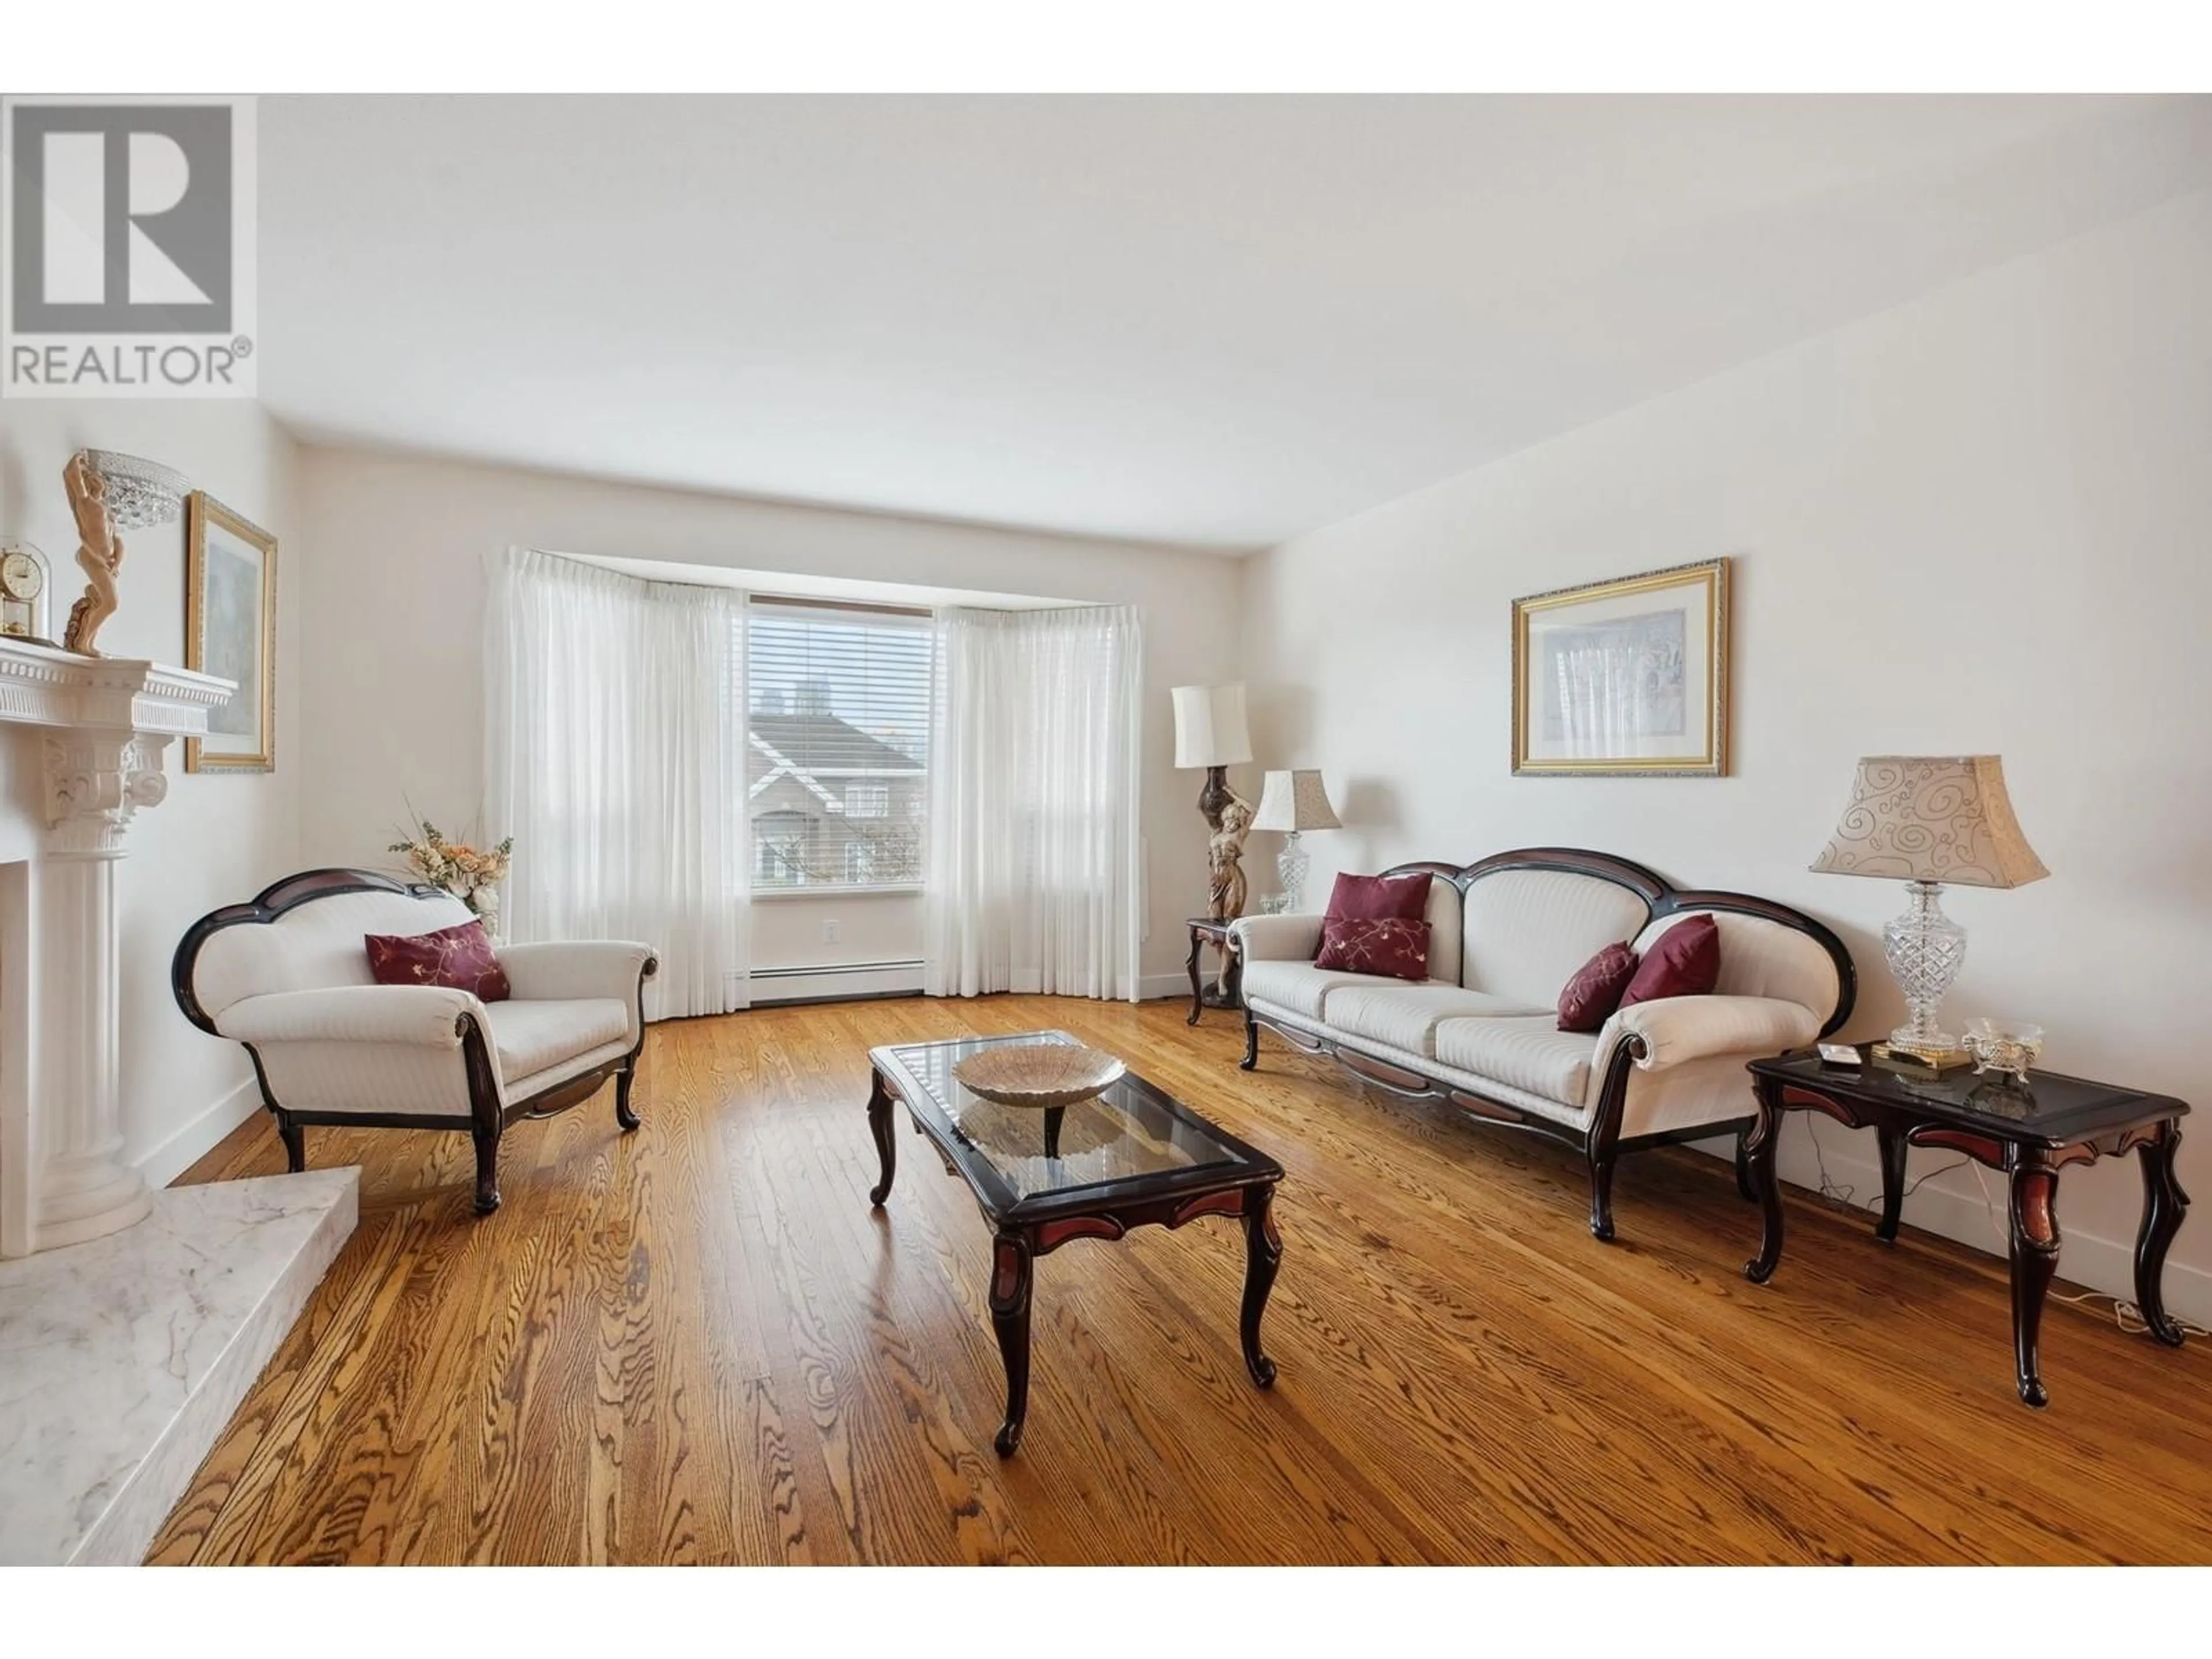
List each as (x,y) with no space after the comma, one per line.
(100,726)
(44,685)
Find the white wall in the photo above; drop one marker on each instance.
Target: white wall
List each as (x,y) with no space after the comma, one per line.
(394,658)
(1978,522)
(217,838)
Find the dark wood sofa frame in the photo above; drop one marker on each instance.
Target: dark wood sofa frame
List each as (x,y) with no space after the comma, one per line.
(486,1121)
(1602,1144)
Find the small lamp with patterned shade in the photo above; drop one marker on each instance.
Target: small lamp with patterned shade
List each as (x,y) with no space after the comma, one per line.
(1294,802)
(1925,820)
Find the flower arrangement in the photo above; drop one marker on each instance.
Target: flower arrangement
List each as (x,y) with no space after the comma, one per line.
(471,874)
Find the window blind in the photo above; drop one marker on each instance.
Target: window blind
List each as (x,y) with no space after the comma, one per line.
(837,702)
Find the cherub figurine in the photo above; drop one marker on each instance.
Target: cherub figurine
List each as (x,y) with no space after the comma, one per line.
(99,551)
(1225,854)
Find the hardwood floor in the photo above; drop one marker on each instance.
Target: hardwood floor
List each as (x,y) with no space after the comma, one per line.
(698,1343)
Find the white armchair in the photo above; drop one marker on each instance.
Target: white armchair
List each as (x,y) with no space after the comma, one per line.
(287,976)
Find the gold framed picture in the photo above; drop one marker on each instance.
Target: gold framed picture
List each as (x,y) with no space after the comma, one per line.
(230,630)
(1623,679)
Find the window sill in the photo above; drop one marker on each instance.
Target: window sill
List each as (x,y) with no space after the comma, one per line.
(833,890)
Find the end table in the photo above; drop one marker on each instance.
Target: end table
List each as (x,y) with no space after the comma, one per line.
(2028,1131)
(1226,991)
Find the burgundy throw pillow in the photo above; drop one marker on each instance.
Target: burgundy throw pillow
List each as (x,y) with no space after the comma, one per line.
(1380,898)
(1685,961)
(1371,944)
(459,959)
(1596,989)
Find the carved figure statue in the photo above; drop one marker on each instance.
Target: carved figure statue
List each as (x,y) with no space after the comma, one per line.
(1225,855)
(99,551)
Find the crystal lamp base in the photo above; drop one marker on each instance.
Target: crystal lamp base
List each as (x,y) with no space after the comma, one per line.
(1924,948)
(1290,866)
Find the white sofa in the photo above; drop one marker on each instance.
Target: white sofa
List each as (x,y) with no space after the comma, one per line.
(1505,936)
(287,975)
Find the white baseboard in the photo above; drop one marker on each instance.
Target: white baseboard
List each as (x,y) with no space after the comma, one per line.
(1959,1212)
(1152,987)
(200,1136)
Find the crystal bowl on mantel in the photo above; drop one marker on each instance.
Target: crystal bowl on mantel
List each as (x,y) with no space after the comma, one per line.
(140,492)
(1039,1075)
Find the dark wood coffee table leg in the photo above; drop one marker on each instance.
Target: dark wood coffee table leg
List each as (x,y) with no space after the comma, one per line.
(2034,1238)
(879,1125)
(1054,1117)
(1013,1267)
(1197,992)
(1263,1256)
(1892,1142)
(2164,1205)
(1758,1164)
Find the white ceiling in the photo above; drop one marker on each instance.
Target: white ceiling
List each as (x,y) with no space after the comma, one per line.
(1218,321)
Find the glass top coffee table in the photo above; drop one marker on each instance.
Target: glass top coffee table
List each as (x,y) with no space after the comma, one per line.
(1132,1156)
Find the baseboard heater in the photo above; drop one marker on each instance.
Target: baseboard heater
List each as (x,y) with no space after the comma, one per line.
(844,982)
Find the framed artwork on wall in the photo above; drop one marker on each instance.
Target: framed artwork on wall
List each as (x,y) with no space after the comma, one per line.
(230,629)
(1623,679)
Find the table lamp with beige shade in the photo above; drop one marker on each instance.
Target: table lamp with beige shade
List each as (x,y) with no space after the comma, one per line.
(1210,733)
(1926,820)
(1294,802)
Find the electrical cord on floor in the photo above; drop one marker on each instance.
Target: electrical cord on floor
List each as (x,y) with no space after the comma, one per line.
(1838,1196)
(2128,1317)
(1846,1197)
(2125,1314)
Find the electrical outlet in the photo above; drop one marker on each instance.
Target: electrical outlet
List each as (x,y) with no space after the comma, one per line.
(829,930)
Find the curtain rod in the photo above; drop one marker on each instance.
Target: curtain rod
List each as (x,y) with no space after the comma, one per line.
(798,603)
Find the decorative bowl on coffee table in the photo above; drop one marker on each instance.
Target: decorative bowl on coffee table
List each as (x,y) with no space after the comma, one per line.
(1040,1075)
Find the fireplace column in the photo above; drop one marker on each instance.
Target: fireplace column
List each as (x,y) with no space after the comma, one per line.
(96,782)
(94,730)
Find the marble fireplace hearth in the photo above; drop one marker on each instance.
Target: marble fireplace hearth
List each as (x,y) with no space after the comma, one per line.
(121,1360)
(131,1322)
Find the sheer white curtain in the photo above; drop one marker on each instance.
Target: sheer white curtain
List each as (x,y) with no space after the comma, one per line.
(614,734)
(1033,848)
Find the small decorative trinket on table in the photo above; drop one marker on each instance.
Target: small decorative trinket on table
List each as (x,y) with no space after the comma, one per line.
(2003,1047)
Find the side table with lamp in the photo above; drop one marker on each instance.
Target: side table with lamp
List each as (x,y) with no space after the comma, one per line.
(1925,820)
(1292,803)
(1210,733)
(2028,1129)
